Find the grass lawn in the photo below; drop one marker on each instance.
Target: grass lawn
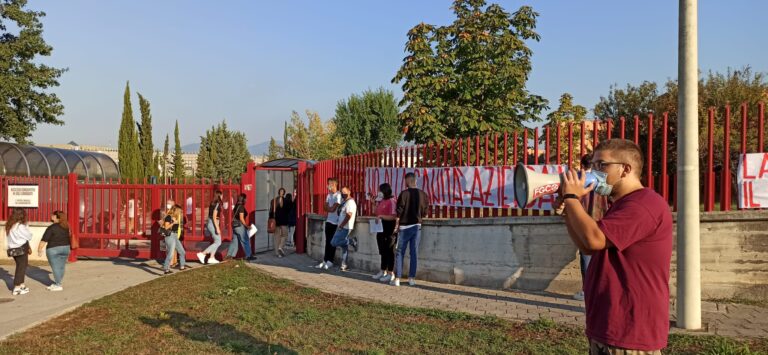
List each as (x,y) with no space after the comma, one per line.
(222,309)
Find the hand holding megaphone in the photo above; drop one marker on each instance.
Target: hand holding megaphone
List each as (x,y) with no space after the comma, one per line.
(530,185)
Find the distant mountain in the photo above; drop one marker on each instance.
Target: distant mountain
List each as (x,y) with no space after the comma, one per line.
(256,149)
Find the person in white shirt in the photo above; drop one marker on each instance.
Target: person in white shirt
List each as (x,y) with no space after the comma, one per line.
(347,212)
(332,202)
(18,236)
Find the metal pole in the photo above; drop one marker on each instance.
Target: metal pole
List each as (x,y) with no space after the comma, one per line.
(688,243)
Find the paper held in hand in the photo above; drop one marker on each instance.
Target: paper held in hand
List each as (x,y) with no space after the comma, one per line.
(375,226)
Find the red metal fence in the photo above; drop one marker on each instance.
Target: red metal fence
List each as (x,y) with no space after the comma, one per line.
(565,143)
(52,196)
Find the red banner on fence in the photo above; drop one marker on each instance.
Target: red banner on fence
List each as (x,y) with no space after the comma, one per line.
(463,186)
(753,180)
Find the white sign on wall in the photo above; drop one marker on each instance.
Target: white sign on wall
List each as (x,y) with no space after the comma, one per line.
(752,179)
(23,196)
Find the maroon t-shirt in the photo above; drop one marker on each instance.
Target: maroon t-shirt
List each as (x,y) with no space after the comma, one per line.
(627,287)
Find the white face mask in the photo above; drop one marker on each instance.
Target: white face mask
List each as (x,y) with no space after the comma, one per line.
(379,196)
(601,186)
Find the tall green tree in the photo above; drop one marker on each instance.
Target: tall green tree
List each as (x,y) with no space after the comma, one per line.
(177,171)
(368,122)
(566,113)
(164,160)
(275,150)
(129,157)
(25,83)
(469,77)
(223,154)
(314,140)
(145,139)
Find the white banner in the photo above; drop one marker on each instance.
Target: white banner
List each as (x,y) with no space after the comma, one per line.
(464,186)
(752,179)
(23,196)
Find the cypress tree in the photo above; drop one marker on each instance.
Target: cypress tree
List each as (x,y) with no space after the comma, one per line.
(145,139)
(128,142)
(178,160)
(164,161)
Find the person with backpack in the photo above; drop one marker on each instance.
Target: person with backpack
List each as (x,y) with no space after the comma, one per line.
(239,234)
(17,236)
(57,244)
(213,228)
(172,232)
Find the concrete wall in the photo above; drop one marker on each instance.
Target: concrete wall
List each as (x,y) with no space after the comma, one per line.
(535,253)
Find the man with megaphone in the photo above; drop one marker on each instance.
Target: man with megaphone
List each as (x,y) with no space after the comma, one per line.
(627,283)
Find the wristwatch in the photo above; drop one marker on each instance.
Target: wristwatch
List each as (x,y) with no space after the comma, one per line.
(567,196)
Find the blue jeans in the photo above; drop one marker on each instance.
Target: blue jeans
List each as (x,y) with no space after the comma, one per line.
(341,239)
(239,236)
(408,238)
(584,263)
(172,243)
(216,238)
(57,257)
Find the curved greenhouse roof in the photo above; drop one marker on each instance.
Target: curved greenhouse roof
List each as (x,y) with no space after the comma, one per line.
(27,160)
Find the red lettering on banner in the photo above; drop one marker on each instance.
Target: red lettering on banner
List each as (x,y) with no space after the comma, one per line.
(763,169)
(477,189)
(750,191)
(746,170)
(487,193)
(458,189)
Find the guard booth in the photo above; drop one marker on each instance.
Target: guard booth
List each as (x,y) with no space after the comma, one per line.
(269,177)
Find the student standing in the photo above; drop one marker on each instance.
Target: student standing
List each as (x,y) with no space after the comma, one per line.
(56,243)
(17,236)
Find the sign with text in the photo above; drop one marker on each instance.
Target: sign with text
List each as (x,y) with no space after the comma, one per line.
(463,186)
(752,179)
(23,196)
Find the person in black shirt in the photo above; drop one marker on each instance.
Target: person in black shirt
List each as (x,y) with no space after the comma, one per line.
(239,235)
(412,207)
(280,210)
(57,247)
(172,222)
(214,229)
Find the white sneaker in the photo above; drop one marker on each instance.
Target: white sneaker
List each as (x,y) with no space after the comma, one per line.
(320,266)
(387,278)
(20,291)
(56,288)
(213,260)
(201,257)
(579,296)
(328,265)
(378,276)
(411,282)
(395,282)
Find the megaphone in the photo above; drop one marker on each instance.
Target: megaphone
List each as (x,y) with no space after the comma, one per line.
(530,185)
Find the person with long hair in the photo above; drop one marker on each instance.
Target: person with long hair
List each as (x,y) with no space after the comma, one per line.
(57,244)
(172,223)
(17,236)
(386,213)
(168,206)
(239,235)
(214,229)
(280,209)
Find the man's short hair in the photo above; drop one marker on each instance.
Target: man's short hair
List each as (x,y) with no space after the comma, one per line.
(586,161)
(626,151)
(333,180)
(410,175)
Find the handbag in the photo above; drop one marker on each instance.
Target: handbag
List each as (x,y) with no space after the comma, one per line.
(235,220)
(271,222)
(19,251)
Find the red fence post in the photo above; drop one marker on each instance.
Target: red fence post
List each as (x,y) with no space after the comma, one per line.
(710,203)
(664,177)
(300,235)
(154,248)
(761,120)
(73,211)
(725,194)
(649,154)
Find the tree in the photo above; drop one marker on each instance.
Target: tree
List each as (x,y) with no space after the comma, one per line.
(369,122)
(146,146)
(25,100)
(566,113)
(317,141)
(164,161)
(223,154)
(469,77)
(275,150)
(177,170)
(128,142)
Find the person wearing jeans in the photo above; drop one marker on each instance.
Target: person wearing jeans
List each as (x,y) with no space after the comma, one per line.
(331,207)
(412,206)
(239,235)
(173,222)
(56,243)
(214,213)
(347,212)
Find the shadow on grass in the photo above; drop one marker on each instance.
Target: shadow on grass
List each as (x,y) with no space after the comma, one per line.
(225,336)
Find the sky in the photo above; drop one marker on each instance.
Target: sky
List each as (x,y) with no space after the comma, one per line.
(252,63)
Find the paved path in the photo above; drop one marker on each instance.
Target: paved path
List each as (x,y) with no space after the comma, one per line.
(84,281)
(722,319)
